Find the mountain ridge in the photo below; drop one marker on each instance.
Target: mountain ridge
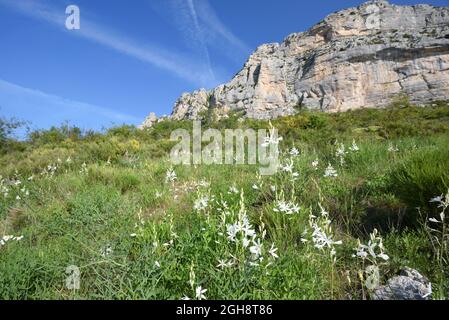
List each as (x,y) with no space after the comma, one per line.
(354,58)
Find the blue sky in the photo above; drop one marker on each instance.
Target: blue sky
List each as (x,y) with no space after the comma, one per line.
(134,57)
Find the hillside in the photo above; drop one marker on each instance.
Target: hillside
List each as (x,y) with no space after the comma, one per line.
(112,207)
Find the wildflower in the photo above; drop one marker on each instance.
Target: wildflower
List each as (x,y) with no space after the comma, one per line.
(438,199)
(256,249)
(392,148)
(273,251)
(232,232)
(199,293)
(222,264)
(294,152)
(273,188)
(429,287)
(272,138)
(158,195)
(157,264)
(170,176)
(295,175)
(233,189)
(201,203)
(315,164)
(192,276)
(288,208)
(354,147)
(287,167)
(322,237)
(341,151)
(9,238)
(106,251)
(373,250)
(84,169)
(255,187)
(330,172)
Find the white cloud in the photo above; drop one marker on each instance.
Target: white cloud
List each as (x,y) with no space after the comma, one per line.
(213,23)
(183,67)
(48,109)
(201,26)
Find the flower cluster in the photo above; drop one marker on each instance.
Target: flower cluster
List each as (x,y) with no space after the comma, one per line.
(322,233)
(392,148)
(330,172)
(202,203)
(373,250)
(49,171)
(84,170)
(249,243)
(288,208)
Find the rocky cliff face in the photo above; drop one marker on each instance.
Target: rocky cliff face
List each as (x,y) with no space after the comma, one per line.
(359,57)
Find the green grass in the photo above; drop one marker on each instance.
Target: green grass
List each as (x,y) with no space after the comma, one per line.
(110,212)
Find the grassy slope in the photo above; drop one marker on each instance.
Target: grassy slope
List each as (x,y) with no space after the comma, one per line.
(74,215)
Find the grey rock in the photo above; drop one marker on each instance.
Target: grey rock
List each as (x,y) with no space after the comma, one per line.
(149,121)
(352,59)
(409,285)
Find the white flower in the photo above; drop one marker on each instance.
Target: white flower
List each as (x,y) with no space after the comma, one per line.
(434,220)
(330,172)
(232,232)
(392,148)
(8,238)
(157,264)
(201,203)
(106,251)
(255,187)
(199,293)
(438,199)
(273,251)
(341,150)
(429,289)
(294,152)
(170,176)
(288,167)
(222,264)
(354,147)
(288,208)
(158,195)
(232,190)
(256,249)
(373,250)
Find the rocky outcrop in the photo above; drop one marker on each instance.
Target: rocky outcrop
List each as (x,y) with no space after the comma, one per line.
(409,285)
(359,57)
(150,121)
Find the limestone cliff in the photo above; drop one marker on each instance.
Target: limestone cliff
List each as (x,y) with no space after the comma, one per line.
(355,58)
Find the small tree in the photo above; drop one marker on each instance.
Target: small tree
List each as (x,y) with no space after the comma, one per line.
(7,128)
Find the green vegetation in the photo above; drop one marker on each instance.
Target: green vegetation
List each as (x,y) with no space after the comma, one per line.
(137,228)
